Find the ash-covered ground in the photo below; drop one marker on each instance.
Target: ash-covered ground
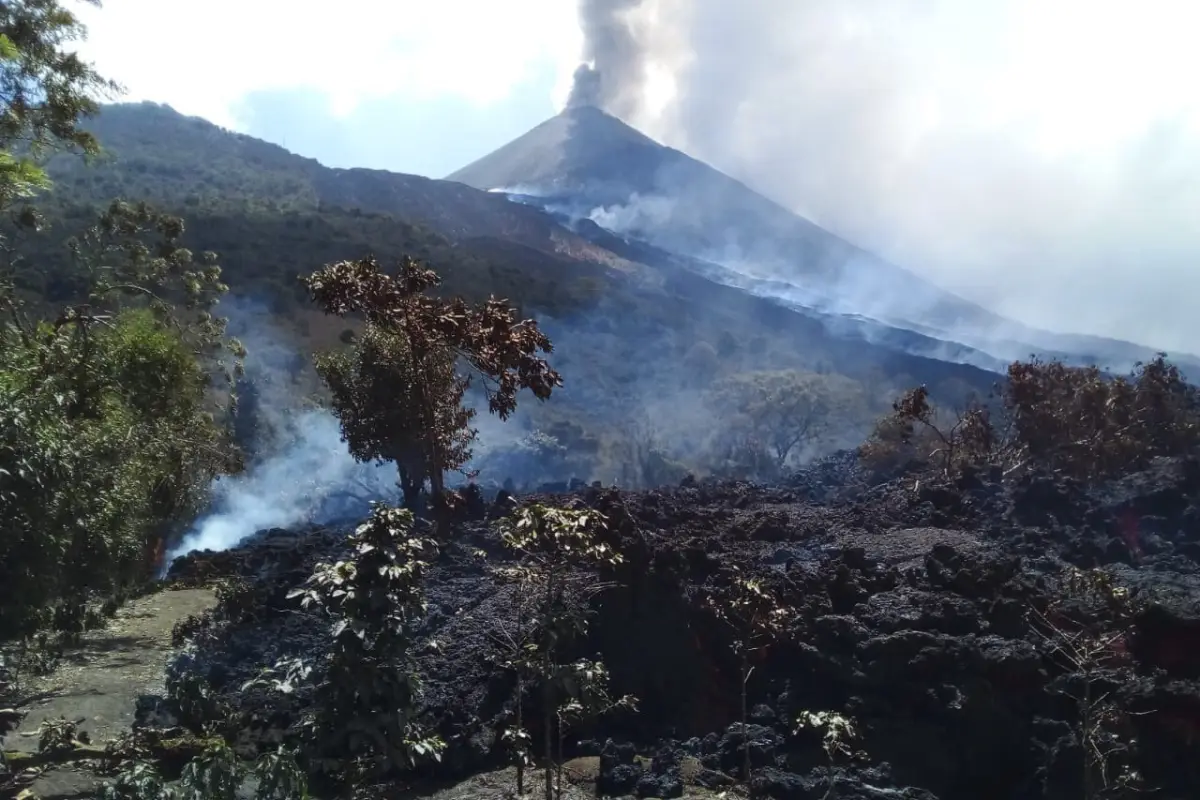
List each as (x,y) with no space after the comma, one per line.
(916,613)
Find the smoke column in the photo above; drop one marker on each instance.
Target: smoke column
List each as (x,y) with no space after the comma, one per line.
(616,59)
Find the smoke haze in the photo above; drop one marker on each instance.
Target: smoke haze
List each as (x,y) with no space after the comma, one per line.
(1015,152)
(299,469)
(293,485)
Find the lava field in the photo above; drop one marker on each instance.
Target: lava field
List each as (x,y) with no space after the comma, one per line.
(914,611)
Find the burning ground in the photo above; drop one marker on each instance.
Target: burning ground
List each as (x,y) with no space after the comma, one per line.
(938,615)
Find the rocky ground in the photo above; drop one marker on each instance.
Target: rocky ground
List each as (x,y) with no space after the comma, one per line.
(916,612)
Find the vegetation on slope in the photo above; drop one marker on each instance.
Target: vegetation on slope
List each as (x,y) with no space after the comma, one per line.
(273,215)
(1077,422)
(107,429)
(629,335)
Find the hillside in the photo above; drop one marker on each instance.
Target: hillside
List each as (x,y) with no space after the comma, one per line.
(243,197)
(586,157)
(585,165)
(639,329)
(271,215)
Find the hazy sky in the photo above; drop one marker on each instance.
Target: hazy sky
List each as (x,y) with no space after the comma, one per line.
(1042,156)
(420,87)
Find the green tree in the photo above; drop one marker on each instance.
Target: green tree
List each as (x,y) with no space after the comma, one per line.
(369,685)
(430,337)
(700,365)
(108,432)
(558,545)
(768,415)
(45,91)
(757,619)
(45,88)
(106,437)
(379,390)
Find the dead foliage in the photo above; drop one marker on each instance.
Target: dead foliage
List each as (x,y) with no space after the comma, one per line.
(428,339)
(1078,422)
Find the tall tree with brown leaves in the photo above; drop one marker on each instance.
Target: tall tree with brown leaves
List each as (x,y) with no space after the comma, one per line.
(415,345)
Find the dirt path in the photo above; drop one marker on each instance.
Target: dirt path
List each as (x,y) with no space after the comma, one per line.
(100,681)
(503,784)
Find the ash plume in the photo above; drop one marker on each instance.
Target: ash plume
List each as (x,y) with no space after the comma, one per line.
(616,59)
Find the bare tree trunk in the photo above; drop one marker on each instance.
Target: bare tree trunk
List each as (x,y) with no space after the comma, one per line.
(745,722)
(410,490)
(548,691)
(548,734)
(558,766)
(1085,741)
(520,731)
(520,741)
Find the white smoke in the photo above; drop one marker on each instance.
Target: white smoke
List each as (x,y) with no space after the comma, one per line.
(638,214)
(292,486)
(302,471)
(299,469)
(1012,151)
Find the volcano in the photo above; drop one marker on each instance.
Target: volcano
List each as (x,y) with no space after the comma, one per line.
(622,179)
(591,169)
(645,189)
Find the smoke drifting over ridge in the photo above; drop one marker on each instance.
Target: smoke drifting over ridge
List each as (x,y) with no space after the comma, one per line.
(1014,152)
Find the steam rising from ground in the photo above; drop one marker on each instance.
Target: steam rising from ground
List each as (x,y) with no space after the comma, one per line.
(305,481)
(1016,152)
(633,399)
(299,468)
(299,471)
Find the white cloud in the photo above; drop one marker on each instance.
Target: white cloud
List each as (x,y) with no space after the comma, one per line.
(202,56)
(1041,156)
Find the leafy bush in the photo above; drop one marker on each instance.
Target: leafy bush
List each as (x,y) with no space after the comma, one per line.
(216,774)
(105,441)
(368,687)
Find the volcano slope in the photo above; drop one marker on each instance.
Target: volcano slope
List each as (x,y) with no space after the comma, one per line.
(933,613)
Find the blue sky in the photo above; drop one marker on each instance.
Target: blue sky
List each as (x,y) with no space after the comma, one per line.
(433,137)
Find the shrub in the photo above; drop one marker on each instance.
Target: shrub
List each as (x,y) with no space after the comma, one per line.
(1078,422)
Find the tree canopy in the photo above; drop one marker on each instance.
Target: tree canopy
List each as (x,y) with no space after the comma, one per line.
(410,354)
(767,417)
(109,434)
